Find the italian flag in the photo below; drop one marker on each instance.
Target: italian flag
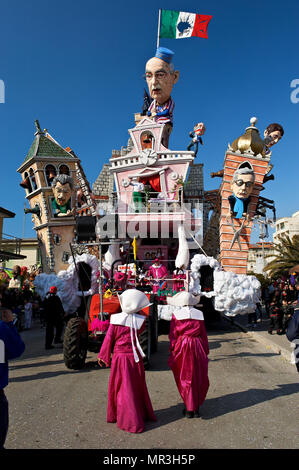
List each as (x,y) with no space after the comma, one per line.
(180,24)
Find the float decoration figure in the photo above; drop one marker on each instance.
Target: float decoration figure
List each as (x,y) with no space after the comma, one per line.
(160,77)
(157,273)
(242,186)
(272,135)
(198,130)
(62,186)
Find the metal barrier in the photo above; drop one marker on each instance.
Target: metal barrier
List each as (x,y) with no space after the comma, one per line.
(151,202)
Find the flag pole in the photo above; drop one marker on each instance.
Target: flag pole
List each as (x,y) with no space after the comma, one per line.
(159,20)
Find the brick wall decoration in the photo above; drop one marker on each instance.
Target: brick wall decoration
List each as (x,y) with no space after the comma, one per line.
(247,149)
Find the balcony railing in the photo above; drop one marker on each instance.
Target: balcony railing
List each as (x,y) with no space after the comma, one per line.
(10,244)
(149,203)
(167,156)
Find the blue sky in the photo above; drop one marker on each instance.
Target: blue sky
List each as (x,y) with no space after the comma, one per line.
(77,67)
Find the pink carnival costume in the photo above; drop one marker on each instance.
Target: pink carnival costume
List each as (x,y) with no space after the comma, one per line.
(157,271)
(189,351)
(178,280)
(129,403)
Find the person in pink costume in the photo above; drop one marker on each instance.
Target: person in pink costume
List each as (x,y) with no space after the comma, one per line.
(129,404)
(157,273)
(178,277)
(189,349)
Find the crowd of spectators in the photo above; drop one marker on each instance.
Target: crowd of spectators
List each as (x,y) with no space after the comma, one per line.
(279,300)
(24,304)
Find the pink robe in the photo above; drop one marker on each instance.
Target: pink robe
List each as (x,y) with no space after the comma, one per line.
(178,282)
(157,273)
(188,360)
(129,403)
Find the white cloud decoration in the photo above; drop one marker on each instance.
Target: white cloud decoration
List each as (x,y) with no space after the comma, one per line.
(233,293)
(67,283)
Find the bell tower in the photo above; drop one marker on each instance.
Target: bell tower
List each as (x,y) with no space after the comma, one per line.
(246,152)
(45,162)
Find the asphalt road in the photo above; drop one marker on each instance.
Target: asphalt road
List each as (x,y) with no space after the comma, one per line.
(252,401)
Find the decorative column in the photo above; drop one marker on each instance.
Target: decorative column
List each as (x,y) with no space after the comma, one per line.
(248,151)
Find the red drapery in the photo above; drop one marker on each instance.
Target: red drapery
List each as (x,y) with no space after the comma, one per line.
(154,181)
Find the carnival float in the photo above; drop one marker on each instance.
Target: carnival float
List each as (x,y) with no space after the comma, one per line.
(149,233)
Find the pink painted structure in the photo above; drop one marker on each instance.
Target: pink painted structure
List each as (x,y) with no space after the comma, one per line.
(164,208)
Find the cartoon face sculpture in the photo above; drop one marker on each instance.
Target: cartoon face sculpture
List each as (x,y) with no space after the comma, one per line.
(62,193)
(199,129)
(62,187)
(161,76)
(242,186)
(273,133)
(243,183)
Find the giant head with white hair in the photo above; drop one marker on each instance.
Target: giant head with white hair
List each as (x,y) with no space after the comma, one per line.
(160,75)
(241,186)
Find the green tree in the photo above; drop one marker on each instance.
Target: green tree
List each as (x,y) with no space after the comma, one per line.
(287,256)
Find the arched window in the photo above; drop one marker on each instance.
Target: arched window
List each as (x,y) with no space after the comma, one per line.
(147,140)
(32,179)
(50,173)
(64,169)
(26,183)
(245,165)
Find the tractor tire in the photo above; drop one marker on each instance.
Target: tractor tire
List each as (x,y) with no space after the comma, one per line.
(75,343)
(153,316)
(145,343)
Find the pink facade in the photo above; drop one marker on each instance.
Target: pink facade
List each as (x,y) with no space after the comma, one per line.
(162,170)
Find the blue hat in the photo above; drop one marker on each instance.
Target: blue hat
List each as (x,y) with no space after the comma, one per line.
(164,54)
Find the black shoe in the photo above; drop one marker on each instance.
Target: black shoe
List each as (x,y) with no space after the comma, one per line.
(50,347)
(197,414)
(58,341)
(188,414)
(270,332)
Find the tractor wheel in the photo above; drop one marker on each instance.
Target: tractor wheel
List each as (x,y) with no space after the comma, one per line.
(75,343)
(145,343)
(153,316)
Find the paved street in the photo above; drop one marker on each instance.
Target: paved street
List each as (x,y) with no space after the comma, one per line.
(252,402)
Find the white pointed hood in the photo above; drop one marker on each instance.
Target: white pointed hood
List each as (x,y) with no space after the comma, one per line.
(184,306)
(183,298)
(182,259)
(131,302)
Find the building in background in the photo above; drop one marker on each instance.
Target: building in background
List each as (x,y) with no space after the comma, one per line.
(259,254)
(29,249)
(10,246)
(286,226)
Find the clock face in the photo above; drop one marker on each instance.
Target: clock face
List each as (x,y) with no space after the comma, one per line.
(148,157)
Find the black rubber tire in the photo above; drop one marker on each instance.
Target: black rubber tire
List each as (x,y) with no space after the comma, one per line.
(145,343)
(75,343)
(153,315)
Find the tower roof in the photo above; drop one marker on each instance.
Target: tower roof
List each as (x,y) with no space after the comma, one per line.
(250,142)
(43,146)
